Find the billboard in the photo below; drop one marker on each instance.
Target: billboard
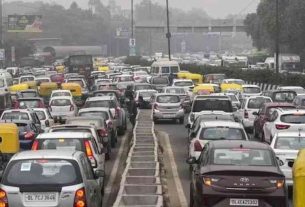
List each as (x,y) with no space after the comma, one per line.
(24,23)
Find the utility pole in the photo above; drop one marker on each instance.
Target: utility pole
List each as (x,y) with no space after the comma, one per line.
(277,37)
(168,34)
(132,42)
(1,26)
(132,35)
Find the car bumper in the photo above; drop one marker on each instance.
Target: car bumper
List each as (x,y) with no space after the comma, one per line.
(168,115)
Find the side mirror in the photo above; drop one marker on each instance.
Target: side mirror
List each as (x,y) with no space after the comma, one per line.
(99,173)
(191,160)
(255,113)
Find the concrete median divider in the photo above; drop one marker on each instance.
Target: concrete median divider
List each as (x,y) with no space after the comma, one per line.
(141,184)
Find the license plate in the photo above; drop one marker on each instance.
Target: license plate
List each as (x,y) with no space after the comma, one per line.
(169,116)
(40,197)
(243,202)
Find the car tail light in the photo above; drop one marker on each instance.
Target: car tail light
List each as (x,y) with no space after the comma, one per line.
(278,183)
(35,145)
(29,135)
(197,146)
(281,126)
(71,108)
(80,198)
(3,199)
(89,153)
(103,132)
(246,114)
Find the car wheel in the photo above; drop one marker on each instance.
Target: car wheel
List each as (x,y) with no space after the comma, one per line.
(181,120)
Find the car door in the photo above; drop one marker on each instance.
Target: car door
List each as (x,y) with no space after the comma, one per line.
(93,191)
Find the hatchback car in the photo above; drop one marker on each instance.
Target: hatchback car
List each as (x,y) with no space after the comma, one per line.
(62,107)
(186,83)
(57,93)
(237,173)
(158,83)
(49,178)
(250,90)
(183,93)
(33,102)
(167,106)
(77,141)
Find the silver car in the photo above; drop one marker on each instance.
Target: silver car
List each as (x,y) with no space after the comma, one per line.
(167,106)
(50,178)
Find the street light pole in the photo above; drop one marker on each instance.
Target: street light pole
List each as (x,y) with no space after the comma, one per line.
(132,27)
(168,34)
(277,37)
(1,26)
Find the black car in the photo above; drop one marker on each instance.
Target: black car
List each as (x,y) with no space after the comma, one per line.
(237,173)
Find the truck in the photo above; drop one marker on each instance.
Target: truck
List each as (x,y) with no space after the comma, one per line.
(289,63)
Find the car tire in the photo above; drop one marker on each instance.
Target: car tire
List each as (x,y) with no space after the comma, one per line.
(181,120)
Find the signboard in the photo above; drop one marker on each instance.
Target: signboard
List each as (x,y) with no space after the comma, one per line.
(2,54)
(132,42)
(24,23)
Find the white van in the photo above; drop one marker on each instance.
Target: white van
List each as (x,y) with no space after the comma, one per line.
(6,80)
(165,67)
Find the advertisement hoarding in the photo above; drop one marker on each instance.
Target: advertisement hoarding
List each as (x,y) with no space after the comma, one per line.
(24,23)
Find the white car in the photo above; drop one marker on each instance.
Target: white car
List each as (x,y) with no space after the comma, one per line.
(45,117)
(286,146)
(283,120)
(249,106)
(62,107)
(140,76)
(26,78)
(214,130)
(250,90)
(58,93)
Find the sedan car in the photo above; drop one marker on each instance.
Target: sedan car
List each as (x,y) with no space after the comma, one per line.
(183,93)
(62,107)
(33,102)
(250,90)
(237,173)
(167,106)
(64,178)
(286,146)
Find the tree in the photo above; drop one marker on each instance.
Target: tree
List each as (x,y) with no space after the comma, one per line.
(74,6)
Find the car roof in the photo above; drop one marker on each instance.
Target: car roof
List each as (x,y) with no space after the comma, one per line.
(18,110)
(254,97)
(72,126)
(84,118)
(182,80)
(58,91)
(220,123)
(94,109)
(146,90)
(231,144)
(100,98)
(64,135)
(166,94)
(47,154)
(278,104)
(250,86)
(291,111)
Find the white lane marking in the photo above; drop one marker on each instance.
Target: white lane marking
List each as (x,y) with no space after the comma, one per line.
(181,195)
(115,169)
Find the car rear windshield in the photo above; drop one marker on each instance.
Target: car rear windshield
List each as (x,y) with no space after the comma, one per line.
(61,144)
(160,80)
(147,94)
(25,79)
(216,133)
(257,103)
(175,90)
(251,90)
(283,96)
(41,115)
(61,102)
(107,87)
(290,143)
(168,99)
(28,94)
(106,103)
(293,118)
(142,87)
(184,83)
(61,94)
(29,104)
(93,122)
(212,105)
(243,157)
(42,172)
(15,116)
(105,94)
(233,97)
(101,114)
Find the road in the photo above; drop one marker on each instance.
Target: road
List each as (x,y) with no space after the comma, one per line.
(179,144)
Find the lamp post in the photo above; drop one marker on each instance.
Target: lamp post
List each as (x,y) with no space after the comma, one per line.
(277,36)
(168,34)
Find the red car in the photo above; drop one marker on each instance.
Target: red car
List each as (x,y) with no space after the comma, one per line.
(32,102)
(263,115)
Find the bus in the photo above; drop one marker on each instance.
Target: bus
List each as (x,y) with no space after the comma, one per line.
(81,64)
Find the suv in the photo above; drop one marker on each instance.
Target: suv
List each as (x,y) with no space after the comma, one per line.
(281,95)
(283,120)
(210,103)
(77,141)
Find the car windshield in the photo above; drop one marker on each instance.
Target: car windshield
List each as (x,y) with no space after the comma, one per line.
(160,80)
(60,102)
(175,90)
(293,118)
(168,99)
(105,103)
(142,87)
(29,104)
(256,103)
(184,83)
(15,116)
(41,115)
(102,114)
(251,90)
(215,133)
(2,84)
(284,96)
(61,94)
(243,157)
(212,105)
(41,172)
(290,143)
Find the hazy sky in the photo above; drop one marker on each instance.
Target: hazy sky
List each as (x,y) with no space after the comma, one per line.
(215,8)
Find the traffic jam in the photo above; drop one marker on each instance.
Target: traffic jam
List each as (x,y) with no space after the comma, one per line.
(60,126)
